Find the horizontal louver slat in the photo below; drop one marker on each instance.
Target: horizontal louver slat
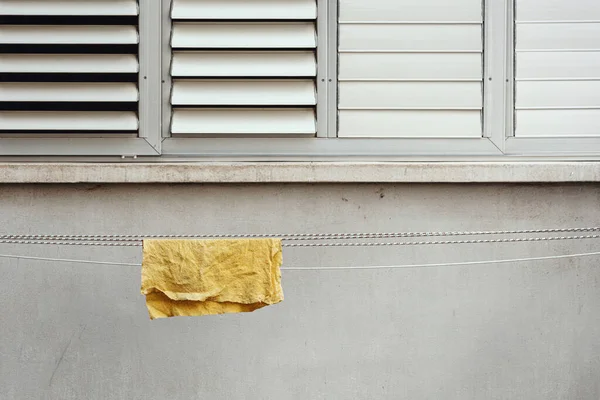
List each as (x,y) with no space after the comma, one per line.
(542,94)
(62,74)
(557,68)
(67,121)
(557,10)
(258,61)
(410,37)
(69,7)
(68,34)
(411,10)
(557,122)
(565,65)
(244,64)
(547,37)
(410,68)
(411,123)
(434,66)
(68,92)
(69,63)
(243,122)
(245,9)
(244,35)
(244,93)
(410,94)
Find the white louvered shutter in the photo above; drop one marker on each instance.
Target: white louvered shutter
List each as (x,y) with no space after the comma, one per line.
(557,88)
(410,68)
(69,67)
(244,68)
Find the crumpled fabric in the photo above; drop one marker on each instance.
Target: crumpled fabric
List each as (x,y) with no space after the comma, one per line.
(205,277)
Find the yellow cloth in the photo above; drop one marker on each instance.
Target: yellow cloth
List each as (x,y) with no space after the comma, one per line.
(203,277)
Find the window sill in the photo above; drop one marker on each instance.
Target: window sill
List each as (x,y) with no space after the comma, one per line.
(302,172)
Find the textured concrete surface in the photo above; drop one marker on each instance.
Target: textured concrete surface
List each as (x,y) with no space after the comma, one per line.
(525,330)
(296,172)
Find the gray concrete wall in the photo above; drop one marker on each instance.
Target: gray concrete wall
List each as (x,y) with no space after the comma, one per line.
(527,330)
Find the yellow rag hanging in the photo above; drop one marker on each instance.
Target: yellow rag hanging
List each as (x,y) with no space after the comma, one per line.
(203,277)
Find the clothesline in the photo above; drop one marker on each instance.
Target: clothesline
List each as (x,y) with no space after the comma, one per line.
(293,236)
(332,268)
(139,243)
(331,240)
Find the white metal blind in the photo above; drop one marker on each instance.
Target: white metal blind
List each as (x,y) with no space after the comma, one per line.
(410,68)
(557,87)
(69,66)
(244,67)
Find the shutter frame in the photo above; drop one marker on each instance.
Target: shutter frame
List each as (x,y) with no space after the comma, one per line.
(505,139)
(147,140)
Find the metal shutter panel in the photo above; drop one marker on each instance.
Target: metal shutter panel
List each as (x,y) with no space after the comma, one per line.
(254,63)
(63,75)
(557,68)
(411,68)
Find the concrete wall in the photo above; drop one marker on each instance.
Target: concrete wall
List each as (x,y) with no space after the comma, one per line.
(527,330)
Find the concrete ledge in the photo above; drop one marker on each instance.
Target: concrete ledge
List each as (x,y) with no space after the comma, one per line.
(308,172)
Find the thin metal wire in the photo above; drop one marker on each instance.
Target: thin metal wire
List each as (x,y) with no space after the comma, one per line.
(293,236)
(69,260)
(138,243)
(453,264)
(437,265)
